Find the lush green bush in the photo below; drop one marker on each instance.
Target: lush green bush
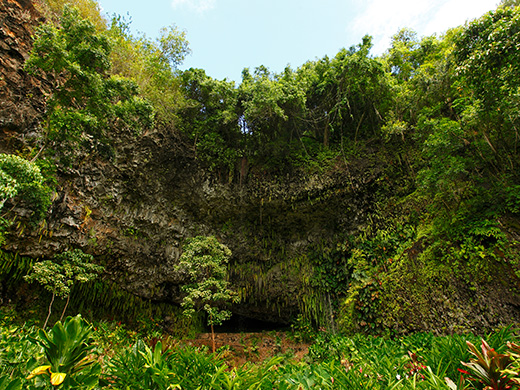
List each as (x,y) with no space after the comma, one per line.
(86,102)
(23,180)
(31,358)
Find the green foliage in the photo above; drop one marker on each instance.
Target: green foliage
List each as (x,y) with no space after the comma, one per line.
(209,118)
(88,9)
(152,65)
(51,276)
(302,330)
(140,367)
(489,65)
(269,108)
(67,347)
(331,269)
(487,59)
(347,96)
(7,384)
(85,102)
(59,275)
(488,366)
(448,167)
(174,45)
(418,361)
(513,199)
(18,352)
(23,179)
(204,263)
(282,121)
(404,55)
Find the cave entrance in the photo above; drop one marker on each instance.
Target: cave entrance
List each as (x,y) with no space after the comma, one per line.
(241,324)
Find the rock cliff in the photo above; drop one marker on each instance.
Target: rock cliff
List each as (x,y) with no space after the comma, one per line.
(134,211)
(22,97)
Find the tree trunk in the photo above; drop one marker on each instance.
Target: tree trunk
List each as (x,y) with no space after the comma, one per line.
(326,133)
(65,308)
(212,339)
(50,311)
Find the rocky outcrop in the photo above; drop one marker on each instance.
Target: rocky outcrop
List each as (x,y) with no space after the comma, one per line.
(22,97)
(134,212)
(134,209)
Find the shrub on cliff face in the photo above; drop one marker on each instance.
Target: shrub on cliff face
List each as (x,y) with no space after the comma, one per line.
(22,182)
(23,179)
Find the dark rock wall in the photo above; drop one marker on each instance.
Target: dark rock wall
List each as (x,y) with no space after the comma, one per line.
(134,211)
(22,99)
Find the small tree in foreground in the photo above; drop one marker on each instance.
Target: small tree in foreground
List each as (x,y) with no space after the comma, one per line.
(58,275)
(204,261)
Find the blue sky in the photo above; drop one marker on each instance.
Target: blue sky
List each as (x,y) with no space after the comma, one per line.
(228,35)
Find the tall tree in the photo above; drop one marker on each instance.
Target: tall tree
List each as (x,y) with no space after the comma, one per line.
(489,62)
(85,102)
(204,264)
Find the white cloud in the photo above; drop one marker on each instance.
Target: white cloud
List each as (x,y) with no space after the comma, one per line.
(383,18)
(196,5)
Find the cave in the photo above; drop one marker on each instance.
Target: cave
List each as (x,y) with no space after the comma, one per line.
(242,324)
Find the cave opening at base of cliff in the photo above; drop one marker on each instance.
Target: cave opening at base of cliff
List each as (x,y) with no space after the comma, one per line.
(241,324)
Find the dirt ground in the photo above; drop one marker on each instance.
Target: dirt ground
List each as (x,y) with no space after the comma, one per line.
(253,347)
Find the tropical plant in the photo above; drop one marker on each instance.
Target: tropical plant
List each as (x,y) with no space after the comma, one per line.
(59,275)
(204,264)
(67,347)
(140,367)
(196,368)
(490,368)
(18,352)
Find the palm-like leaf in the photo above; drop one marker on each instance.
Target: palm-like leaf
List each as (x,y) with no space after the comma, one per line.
(489,367)
(66,345)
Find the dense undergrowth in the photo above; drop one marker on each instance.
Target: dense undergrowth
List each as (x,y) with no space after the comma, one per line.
(79,355)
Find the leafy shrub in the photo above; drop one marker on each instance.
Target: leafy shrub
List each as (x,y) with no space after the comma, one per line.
(67,347)
(23,179)
(140,367)
(59,275)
